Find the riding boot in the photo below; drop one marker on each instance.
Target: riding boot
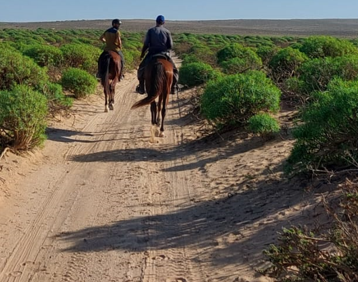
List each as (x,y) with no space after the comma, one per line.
(122,67)
(175,87)
(140,88)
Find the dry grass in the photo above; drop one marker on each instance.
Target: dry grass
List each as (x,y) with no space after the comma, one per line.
(347,28)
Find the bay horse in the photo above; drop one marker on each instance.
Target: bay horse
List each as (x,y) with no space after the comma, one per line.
(158,75)
(110,73)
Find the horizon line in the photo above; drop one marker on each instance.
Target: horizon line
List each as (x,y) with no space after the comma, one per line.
(181,20)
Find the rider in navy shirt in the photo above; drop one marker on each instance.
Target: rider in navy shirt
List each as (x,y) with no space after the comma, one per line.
(158,40)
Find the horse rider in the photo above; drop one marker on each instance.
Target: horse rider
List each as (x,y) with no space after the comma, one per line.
(112,38)
(158,40)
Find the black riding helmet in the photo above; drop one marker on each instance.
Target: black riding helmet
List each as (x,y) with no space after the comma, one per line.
(116,21)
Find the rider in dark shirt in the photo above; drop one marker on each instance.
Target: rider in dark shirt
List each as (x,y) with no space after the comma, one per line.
(158,40)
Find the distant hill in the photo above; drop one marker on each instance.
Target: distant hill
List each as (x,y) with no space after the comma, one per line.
(335,27)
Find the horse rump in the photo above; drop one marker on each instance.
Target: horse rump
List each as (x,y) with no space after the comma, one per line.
(103,63)
(155,77)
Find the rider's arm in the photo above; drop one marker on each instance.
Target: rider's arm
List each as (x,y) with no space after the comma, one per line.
(118,40)
(169,42)
(102,38)
(145,45)
(144,49)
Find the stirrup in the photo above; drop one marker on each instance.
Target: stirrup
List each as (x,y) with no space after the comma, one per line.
(174,89)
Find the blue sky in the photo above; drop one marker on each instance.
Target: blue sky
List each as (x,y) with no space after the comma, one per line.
(60,10)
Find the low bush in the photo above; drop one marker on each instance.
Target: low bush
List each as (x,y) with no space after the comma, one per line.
(233,99)
(56,98)
(328,136)
(194,74)
(44,55)
(23,114)
(250,61)
(327,46)
(16,68)
(317,73)
(300,255)
(81,56)
(285,63)
(78,82)
(264,125)
(266,53)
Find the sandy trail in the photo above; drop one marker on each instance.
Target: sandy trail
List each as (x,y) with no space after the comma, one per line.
(101,203)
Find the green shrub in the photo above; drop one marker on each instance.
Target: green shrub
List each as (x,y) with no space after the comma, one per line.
(328,135)
(81,56)
(18,69)
(327,255)
(189,58)
(79,82)
(234,51)
(234,99)
(235,58)
(131,58)
(23,114)
(285,63)
(194,74)
(264,125)
(44,55)
(317,73)
(203,54)
(327,46)
(266,53)
(241,64)
(55,96)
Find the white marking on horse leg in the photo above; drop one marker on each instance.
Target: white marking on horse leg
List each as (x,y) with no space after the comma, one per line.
(152,134)
(156,130)
(106,109)
(161,134)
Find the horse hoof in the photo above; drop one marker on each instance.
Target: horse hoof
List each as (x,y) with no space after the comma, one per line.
(106,109)
(161,134)
(111,107)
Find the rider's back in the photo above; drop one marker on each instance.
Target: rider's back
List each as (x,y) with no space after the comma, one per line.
(159,40)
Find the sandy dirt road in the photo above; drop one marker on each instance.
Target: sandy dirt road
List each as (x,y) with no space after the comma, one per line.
(101,203)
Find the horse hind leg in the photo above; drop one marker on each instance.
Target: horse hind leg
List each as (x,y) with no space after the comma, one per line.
(153,133)
(110,106)
(111,98)
(164,110)
(105,103)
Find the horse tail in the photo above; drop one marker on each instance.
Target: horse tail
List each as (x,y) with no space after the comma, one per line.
(105,79)
(156,85)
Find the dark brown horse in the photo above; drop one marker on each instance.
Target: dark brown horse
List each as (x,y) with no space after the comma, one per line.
(110,73)
(158,76)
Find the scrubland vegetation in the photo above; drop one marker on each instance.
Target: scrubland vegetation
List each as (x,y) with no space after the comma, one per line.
(242,81)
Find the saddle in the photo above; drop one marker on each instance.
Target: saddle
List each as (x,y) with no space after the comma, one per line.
(104,61)
(160,55)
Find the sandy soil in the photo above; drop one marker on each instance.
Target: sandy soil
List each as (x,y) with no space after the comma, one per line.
(101,203)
